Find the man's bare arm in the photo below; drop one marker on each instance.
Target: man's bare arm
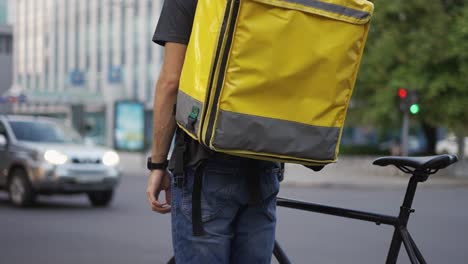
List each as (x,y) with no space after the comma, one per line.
(165,99)
(164,124)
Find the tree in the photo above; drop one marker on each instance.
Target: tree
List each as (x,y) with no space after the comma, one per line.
(420,45)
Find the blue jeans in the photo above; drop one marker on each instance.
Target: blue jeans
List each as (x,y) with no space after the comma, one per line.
(236,230)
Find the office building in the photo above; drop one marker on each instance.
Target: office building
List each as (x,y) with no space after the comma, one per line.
(6,48)
(6,51)
(76,54)
(4,12)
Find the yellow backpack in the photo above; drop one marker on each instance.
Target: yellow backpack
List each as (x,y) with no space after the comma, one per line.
(272,79)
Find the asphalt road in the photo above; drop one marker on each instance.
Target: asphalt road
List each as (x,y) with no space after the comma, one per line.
(67,230)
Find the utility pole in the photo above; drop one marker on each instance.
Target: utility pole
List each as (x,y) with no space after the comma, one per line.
(408,102)
(405,134)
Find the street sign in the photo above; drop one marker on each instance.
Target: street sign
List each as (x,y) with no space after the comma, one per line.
(115,74)
(13,99)
(77,78)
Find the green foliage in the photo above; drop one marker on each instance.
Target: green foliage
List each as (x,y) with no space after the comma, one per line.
(420,45)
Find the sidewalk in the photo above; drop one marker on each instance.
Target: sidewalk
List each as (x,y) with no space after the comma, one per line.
(350,172)
(339,175)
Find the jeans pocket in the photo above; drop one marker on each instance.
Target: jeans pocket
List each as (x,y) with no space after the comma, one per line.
(217,190)
(270,183)
(270,188)
(270,208)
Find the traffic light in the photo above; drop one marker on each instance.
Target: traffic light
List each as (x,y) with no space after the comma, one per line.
(402,93)
(403,103)
(414,102)
(414,109)
(408,101)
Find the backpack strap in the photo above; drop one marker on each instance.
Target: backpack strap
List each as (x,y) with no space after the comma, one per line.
(197,221)
(179,152)
(180,181)
(253,183)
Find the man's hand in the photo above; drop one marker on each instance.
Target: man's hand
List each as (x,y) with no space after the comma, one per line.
(158,181)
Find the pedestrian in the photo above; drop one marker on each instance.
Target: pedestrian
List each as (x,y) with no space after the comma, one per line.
(233,218)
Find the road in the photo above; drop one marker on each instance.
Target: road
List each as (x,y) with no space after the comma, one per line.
(67,230)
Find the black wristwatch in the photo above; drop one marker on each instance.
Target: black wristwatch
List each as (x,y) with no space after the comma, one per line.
(156,166)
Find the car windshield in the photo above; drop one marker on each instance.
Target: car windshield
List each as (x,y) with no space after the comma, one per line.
(48,132)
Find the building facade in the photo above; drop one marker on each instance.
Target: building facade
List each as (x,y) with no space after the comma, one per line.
(85,53)
(3,12)
(6,51)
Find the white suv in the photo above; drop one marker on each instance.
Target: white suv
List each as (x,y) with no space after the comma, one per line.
(40,155)
(449,145)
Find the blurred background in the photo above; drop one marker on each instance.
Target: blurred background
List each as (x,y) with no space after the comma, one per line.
(84,71)
(75,59)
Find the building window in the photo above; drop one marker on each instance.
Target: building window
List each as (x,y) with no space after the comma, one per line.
(77,34)
(122,56)
(66,21)
(2,45)
(88,15)
(46,71)
(122,35)
(99,14)
(99,60)
(136,8)
(135,88)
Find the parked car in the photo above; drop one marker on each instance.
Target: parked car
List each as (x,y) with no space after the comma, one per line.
(449,145)
(42,156)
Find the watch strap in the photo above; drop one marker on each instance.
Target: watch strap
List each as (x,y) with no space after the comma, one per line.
(156,166)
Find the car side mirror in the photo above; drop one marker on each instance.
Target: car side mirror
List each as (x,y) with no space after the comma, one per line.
(3,140)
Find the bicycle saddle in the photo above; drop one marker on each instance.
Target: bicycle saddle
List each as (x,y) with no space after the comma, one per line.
(429,164)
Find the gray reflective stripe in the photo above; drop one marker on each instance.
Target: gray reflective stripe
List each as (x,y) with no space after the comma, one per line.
(236,131)
(334,8)
(185,104)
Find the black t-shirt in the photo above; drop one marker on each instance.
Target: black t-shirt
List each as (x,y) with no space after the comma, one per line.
(175,22)
(175,25)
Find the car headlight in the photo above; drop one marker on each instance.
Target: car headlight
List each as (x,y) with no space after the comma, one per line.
(110,158)
(55,157)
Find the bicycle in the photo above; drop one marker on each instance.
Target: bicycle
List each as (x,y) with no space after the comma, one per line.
(420,169)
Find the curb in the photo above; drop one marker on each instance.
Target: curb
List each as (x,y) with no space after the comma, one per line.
(348,173)
(386,186)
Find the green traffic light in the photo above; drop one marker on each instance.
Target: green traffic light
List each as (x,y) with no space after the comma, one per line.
(414,109)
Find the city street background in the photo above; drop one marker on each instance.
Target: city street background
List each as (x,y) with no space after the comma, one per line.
(91,65)
(68,230)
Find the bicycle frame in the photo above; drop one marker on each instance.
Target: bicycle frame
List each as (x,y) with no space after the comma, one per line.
(400,235)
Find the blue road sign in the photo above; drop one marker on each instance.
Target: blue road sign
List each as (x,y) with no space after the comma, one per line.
(115,74)
(77,78)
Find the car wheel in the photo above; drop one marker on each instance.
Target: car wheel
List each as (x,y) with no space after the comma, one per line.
(20,190)
(101,198)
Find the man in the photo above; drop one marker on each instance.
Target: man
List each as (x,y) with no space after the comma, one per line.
(238,195)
